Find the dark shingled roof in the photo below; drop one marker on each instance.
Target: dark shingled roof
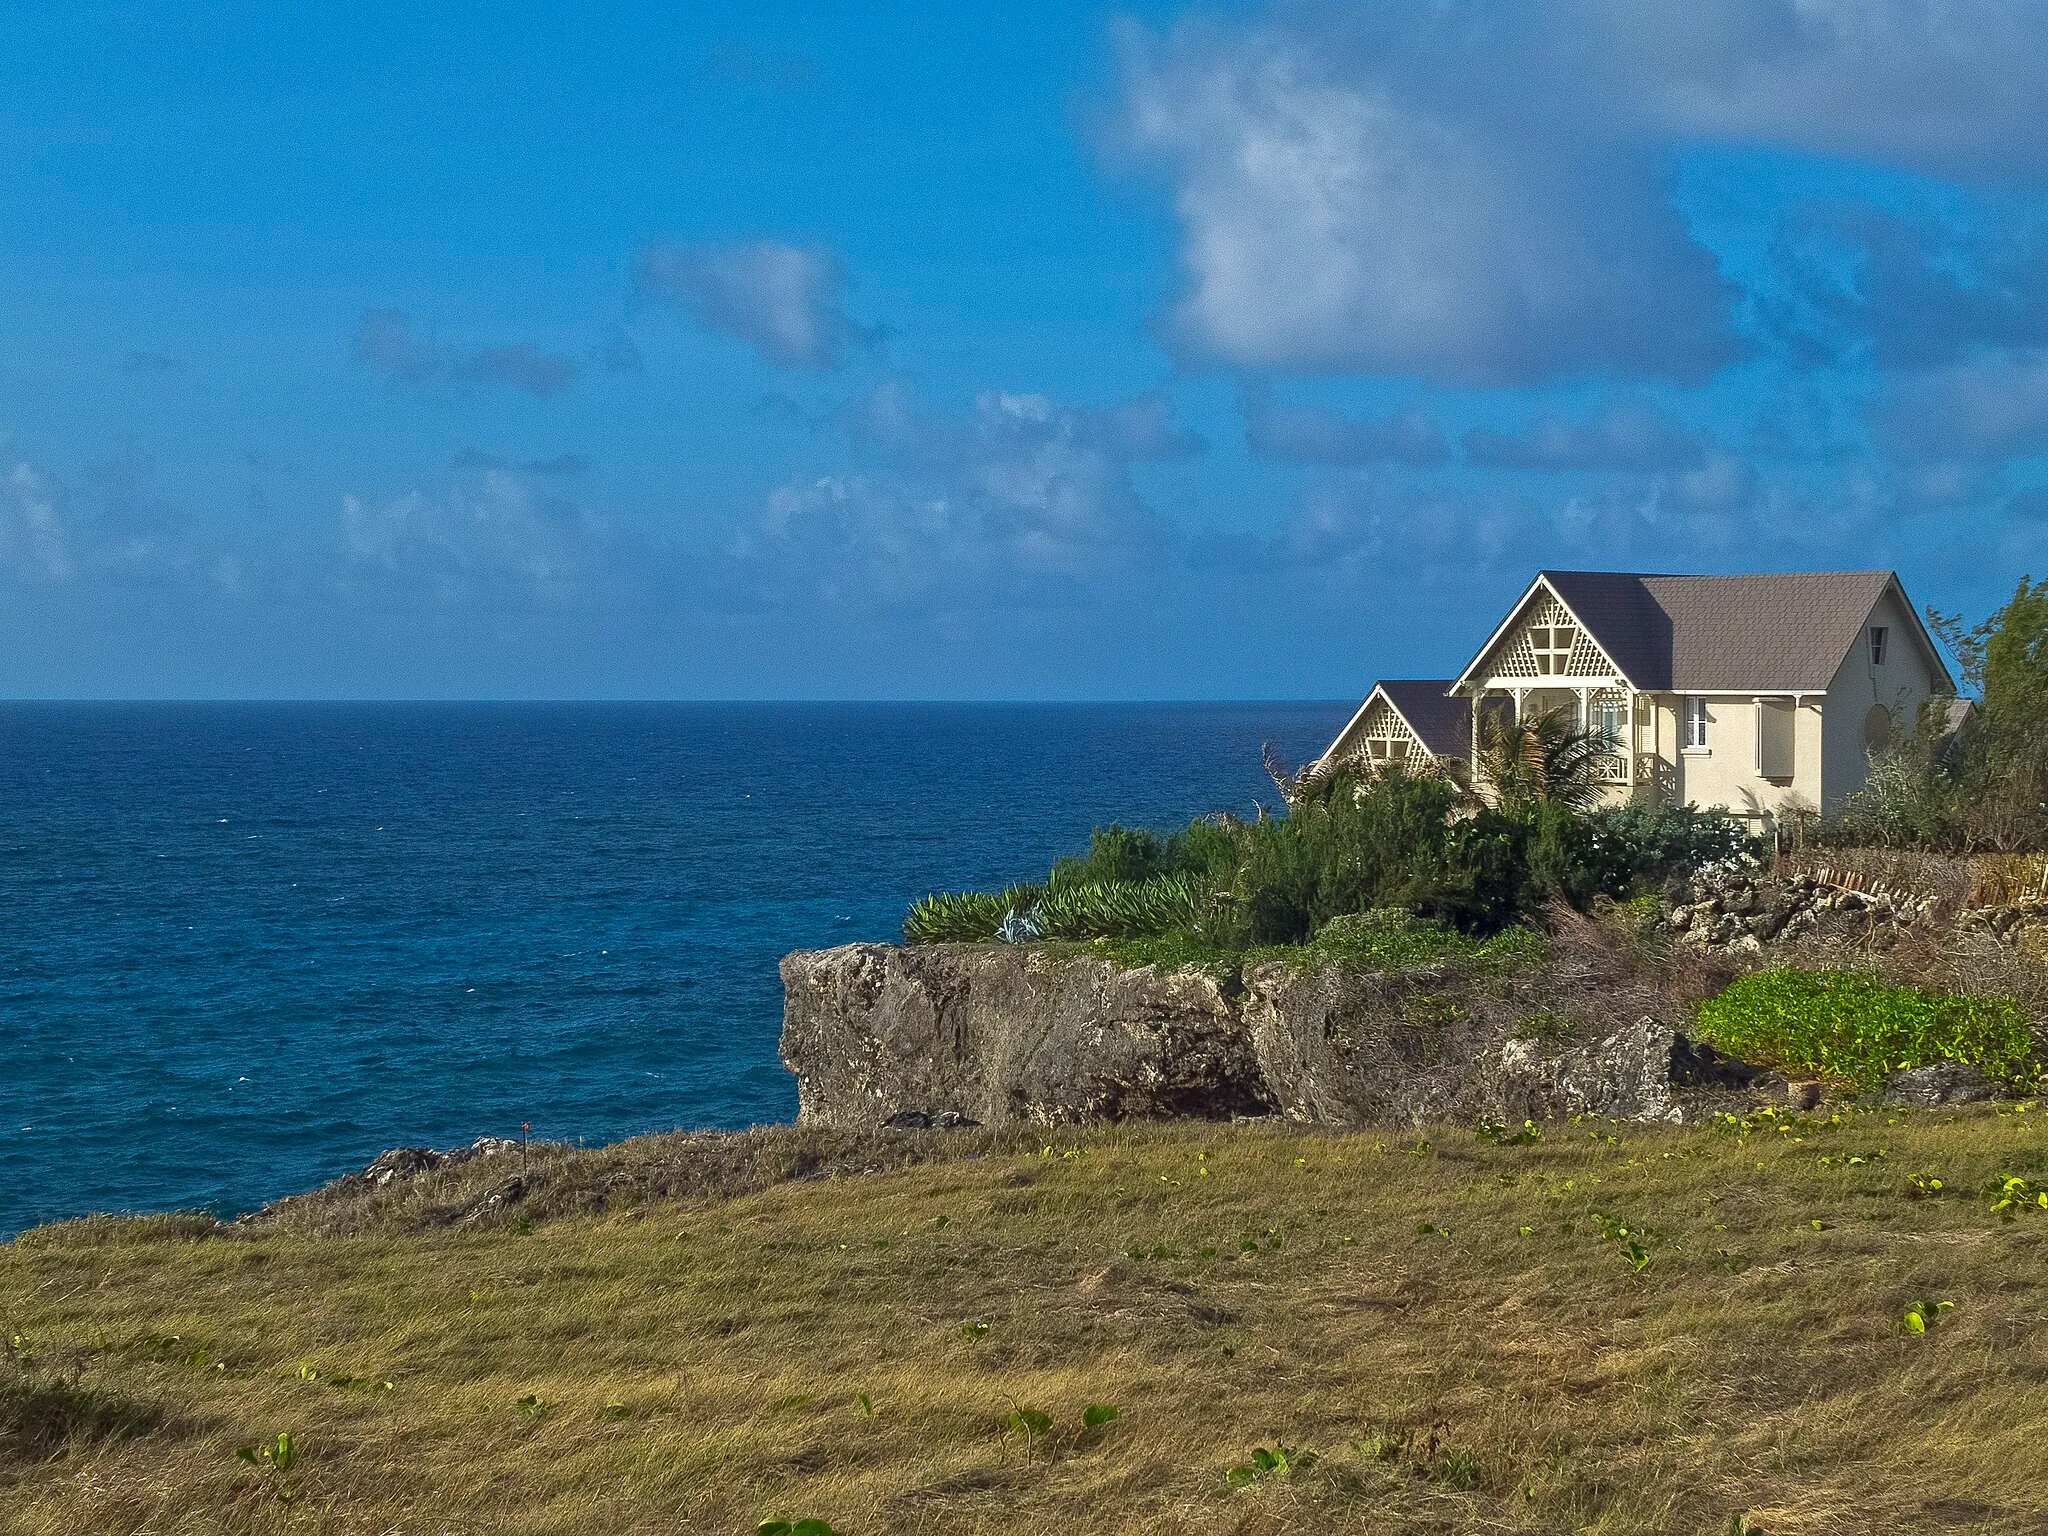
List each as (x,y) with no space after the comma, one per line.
(1444,724)
(1780,633)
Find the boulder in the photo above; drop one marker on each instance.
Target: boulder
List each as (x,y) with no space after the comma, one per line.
(1937,1083)
(1695,1064)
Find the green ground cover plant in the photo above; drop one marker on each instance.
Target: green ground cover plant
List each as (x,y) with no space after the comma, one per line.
(1518,1375)
(1854,1027)
(1221,887)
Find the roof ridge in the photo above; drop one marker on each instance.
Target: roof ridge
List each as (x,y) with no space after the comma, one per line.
(1713,575)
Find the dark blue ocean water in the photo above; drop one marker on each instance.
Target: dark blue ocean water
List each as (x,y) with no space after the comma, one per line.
(244,948)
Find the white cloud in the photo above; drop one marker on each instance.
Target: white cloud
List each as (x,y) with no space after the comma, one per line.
(1341,214)
(34,540)
(1480,193)
(1950,87)
(492,535)
(1019,500)
(780,298)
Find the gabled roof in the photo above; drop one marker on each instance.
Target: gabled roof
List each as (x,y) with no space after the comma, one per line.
(1776,633)
(1441,723)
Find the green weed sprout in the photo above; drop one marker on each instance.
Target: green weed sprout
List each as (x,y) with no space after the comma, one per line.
(794,1528)
(1034,1424)
(1921,1315)
(974,1330)
(2015,1194)
(1279,1461)
(277,1458)
(865,1404)
(1095,1415)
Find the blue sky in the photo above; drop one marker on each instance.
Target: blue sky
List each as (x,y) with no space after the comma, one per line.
(1055,351)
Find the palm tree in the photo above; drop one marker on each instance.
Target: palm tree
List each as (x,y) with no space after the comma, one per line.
(1546,758)
(1313,780)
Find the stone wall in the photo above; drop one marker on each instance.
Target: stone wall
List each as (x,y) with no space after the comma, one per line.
(991,1034)
(1740,910)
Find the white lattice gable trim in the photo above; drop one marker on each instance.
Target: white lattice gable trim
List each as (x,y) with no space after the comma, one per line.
(1378,731)
(1544,642)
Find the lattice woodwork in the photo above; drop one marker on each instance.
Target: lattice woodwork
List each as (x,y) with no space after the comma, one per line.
(1586,660)
(1383,737)
(1521,657)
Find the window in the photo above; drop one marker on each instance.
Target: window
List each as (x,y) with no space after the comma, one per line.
(1878,634)
(1695,722)
(1553,647)
(1607,721)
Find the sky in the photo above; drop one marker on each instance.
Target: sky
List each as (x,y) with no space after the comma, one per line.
(1048,351)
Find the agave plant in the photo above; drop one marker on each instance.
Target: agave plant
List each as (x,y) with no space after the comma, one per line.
(966,917)
(1546,758)
(1119,909)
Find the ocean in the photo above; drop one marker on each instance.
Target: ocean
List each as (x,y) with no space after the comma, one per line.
(246,947)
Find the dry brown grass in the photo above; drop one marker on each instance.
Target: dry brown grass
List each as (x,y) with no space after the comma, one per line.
(695,1362)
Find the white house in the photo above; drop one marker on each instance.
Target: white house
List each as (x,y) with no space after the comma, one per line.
(1757,694)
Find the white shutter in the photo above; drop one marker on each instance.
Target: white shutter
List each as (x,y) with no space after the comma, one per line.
(1775,735)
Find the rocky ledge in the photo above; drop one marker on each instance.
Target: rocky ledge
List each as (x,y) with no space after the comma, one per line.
(973,1034)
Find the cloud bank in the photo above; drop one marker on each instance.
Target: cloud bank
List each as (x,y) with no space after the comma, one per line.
(1481,195)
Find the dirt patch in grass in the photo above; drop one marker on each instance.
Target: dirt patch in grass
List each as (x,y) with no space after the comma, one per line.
(1612,1329)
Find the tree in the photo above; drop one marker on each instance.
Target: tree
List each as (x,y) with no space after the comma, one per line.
(2004,755)
(1544,760)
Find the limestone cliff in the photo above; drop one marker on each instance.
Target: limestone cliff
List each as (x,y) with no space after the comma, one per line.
(879,1034)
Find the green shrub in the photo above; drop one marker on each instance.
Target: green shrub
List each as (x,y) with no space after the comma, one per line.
(1392,841)
(1849,1024)
(1118,853)
(1120,909)
(1650,844)
(966,917)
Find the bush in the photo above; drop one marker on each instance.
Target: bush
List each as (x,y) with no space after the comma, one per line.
(1654,843)
(1909,799)
(1391,841)
(1117,853)
(1849,1024)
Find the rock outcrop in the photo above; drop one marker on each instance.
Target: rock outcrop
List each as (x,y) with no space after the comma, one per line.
(1743,908)
(880,1034)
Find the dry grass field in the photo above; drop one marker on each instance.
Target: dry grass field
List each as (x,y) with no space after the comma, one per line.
(1613,1329)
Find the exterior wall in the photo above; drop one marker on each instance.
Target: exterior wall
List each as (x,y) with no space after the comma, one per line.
(1901,685)
(1724,774)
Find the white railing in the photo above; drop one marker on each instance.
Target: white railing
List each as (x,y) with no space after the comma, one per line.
(1612,768)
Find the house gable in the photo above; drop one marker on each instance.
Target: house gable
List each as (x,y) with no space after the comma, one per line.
(1415,714)
(1377,731)
(1543,642)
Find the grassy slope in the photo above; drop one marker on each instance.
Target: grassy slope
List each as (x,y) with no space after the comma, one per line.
(1533,1383)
